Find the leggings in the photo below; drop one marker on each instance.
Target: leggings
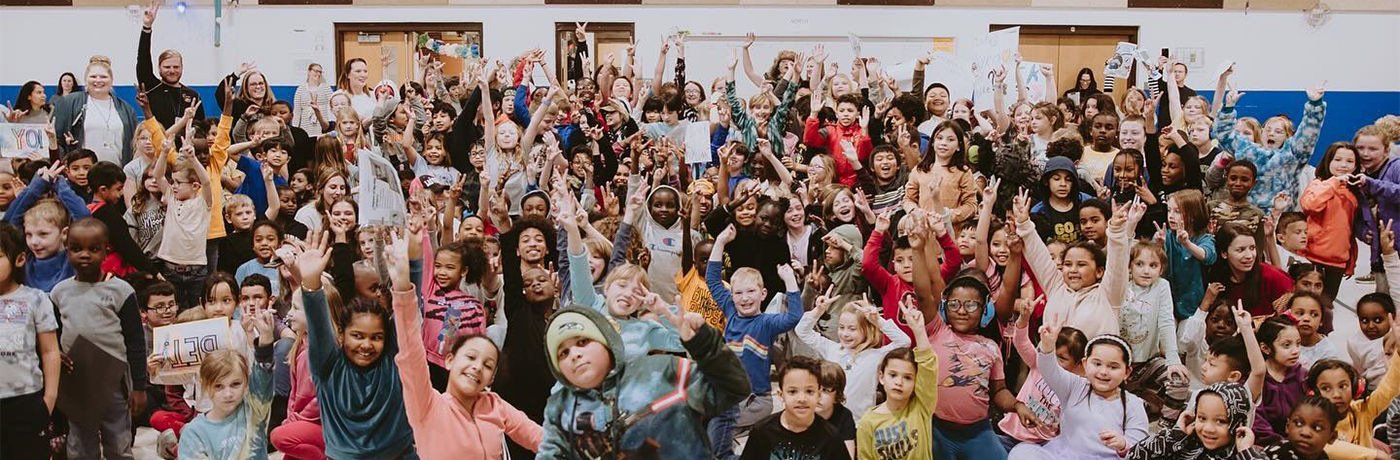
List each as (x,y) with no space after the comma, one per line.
(299,440)
(971,442)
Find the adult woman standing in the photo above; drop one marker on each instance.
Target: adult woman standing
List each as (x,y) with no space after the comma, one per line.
(312,102)
(354,79)
(94,119)
(253,92)
(31,106)
(67,84)
(168,97)
(1085,85)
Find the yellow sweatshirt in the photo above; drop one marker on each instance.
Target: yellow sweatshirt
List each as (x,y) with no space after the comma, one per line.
(905,434)
(1354,431)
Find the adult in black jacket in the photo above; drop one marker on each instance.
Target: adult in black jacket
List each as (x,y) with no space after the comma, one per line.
(168,96)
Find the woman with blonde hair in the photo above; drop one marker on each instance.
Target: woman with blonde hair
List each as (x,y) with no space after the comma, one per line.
(94,119)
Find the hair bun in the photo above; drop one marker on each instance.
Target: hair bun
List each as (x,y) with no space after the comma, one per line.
(100,59)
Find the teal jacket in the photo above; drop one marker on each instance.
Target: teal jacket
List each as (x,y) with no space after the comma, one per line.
(654,406)
(362,410)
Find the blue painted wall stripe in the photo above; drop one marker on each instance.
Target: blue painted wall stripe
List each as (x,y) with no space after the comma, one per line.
(1347,111)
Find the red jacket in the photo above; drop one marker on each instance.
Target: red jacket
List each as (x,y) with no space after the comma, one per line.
(890,287)
(829,137)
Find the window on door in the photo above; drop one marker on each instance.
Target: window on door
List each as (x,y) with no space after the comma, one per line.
(576,58)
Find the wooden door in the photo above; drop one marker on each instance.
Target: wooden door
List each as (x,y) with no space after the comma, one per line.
(389,48)
(1070,48)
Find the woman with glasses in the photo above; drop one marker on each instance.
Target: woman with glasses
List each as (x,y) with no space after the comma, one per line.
(312,102)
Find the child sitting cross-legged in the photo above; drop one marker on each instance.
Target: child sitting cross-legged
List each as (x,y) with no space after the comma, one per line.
(236,426)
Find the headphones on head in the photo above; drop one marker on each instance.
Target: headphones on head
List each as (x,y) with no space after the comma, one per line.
(989,310)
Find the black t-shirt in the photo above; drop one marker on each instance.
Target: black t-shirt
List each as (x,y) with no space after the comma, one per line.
(844,422)
(770,439)
(1056,224)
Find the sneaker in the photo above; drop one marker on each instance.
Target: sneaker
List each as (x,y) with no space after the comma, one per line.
(1366,279)
(166,444)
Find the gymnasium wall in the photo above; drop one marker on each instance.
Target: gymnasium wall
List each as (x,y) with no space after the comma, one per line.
(1277,52)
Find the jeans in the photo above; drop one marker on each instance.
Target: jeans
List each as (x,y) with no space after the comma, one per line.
(736,421)
(188,281)
(109,439)
(973,442)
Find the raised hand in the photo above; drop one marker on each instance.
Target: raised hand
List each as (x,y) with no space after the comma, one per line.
(1244,438)
(1282,201)
(786,274)
(882,222)
(1242,317)
(1315,93)
(148,16)
(1232,97)
(312,261)
(1021,207)
(824,301)
(1387,237)
(396,260)
(748,40)
(726,236)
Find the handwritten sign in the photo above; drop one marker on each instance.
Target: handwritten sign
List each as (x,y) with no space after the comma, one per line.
(22,139)
(992,52)
(184,346)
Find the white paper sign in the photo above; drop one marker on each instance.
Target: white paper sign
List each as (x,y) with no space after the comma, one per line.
(953,72)
(22,139)
(1121,64)
(184,346)
(992,52)
(381,199)
(1033,77)
(697,143)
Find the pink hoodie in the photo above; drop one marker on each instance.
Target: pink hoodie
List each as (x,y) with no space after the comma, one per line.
(442,428)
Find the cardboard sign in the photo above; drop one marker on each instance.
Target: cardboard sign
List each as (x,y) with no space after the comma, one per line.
(184,347)
(22,139)
(381,199)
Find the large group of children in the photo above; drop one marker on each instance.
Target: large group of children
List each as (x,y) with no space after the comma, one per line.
(855,269)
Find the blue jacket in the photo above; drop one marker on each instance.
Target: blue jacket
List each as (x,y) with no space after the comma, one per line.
(654,406)
(1278,168)
(43,274)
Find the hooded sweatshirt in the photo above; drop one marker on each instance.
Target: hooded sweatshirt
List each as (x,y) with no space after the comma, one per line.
(1175,444)
(1093,308)
(1063,225)
(442,428)
(641,336)
(650,407)
(664,242)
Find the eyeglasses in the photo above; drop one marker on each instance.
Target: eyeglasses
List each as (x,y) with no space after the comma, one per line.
(165,307)
(962,305)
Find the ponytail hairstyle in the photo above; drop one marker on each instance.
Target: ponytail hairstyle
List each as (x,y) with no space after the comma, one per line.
(1269,331)
(901,353)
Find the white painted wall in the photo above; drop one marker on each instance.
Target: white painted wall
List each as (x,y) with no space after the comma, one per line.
(1274,50)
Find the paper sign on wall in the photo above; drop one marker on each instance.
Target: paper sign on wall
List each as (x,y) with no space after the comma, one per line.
(1121,64)
(22,139)
(184,347)
(992,52)
(381,199)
